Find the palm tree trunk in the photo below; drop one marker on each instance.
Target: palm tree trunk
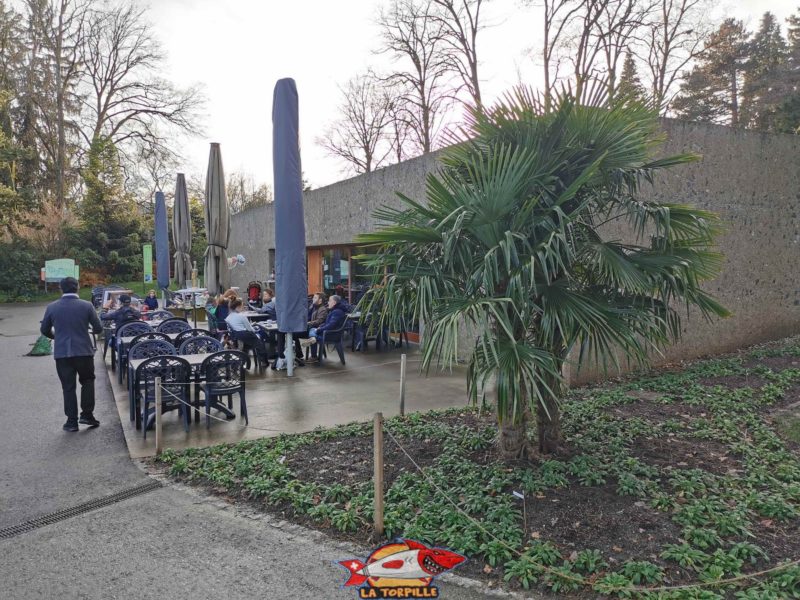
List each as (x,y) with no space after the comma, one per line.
(512,429)
(549,426)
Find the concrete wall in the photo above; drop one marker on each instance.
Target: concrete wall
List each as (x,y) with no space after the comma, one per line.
(752,180)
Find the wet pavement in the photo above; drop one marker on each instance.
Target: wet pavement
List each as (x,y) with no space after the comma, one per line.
(317,396)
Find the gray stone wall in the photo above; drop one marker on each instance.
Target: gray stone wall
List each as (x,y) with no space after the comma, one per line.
(752,180)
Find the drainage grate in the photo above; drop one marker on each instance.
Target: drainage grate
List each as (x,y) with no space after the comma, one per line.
(61,515)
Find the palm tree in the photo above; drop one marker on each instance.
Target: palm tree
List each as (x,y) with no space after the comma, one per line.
(533,240)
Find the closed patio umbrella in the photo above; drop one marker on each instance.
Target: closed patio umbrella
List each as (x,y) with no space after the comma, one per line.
(162,242)
(218,225)
(182,233)
(291,282)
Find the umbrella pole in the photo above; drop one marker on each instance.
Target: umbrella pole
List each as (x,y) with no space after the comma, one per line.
(288,352)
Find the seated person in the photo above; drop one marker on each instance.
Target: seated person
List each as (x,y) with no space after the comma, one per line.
(267,305)
(334,321)
(151,302)
(124,314)
(241,329)
(317,315)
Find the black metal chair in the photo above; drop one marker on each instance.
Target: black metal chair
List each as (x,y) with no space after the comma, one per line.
(150,335)
(202,344)
(224,375)
(131,329)
(174,372)
(174,325)
(368,329)
(146,348)
(332,336)
(189,333)
(247,346)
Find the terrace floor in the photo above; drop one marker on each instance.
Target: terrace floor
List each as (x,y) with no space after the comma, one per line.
(317,396)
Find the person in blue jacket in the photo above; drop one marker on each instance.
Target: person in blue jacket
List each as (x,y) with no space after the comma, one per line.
(151,302)
(68,321)
(337,313)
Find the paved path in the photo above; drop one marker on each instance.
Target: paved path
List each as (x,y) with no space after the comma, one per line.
(170,543)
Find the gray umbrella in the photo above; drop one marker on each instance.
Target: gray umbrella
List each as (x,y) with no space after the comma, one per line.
(182,233)
(291,283)
(218,225)
(162,241)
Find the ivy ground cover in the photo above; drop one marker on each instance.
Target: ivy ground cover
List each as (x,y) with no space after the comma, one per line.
(678,484)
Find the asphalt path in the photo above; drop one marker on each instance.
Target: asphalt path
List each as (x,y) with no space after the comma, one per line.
(170,543)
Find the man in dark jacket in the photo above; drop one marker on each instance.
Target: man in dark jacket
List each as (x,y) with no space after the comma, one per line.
(124,314)
(71,318)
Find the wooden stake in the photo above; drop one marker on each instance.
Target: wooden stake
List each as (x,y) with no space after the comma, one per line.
(158,416)
(402,384)
(378,475)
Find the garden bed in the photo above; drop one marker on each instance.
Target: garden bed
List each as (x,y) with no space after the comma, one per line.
(673,478)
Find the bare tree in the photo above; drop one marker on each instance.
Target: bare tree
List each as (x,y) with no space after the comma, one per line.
(359,136)
(413,38)
(675,37)
(460,21)
(243,194)
(558,18)
(127,102)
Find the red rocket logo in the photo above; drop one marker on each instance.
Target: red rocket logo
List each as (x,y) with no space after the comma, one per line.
(405,564)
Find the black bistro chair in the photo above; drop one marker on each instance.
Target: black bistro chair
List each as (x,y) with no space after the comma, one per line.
(224,375)
(174,325)
(144,337)
(368,329)
(174,372)
(247,346)
(131,329)
(189,333)
(335,337)
(202,344)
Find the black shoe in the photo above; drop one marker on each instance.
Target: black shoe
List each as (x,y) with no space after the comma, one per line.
(70,426)
(90,421)
(299,362)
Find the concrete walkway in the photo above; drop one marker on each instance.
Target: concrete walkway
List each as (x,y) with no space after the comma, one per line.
(169,543)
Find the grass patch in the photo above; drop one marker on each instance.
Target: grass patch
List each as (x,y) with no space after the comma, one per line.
(672,479)
(85,292)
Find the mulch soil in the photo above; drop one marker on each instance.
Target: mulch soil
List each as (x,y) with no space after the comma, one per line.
(575,517)
(678,452)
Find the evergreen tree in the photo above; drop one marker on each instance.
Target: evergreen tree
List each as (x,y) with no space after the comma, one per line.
(630,86)
(764,83)
(111,225)
(787,115)
(712,90)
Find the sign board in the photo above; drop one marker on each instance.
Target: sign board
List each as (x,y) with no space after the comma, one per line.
(58,269)
(147,255)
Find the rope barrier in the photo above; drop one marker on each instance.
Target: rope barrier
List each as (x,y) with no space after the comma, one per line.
(581,580)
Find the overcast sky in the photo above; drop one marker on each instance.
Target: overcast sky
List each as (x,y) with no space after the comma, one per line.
(237,49)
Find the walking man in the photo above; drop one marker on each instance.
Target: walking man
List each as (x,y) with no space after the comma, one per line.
(71,318)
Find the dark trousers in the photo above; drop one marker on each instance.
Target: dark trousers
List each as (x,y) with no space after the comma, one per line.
(251,339)
(298,350)
(67,369)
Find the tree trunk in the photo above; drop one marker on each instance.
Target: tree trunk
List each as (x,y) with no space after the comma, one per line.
(549,426)
(512,439)
(512,431)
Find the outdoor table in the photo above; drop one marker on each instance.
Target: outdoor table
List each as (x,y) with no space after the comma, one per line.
(254,315)
(195,361)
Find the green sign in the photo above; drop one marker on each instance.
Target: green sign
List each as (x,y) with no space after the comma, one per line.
(147,251)
(58,269)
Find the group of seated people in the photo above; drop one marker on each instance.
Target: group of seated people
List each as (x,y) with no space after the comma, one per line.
(324,314)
